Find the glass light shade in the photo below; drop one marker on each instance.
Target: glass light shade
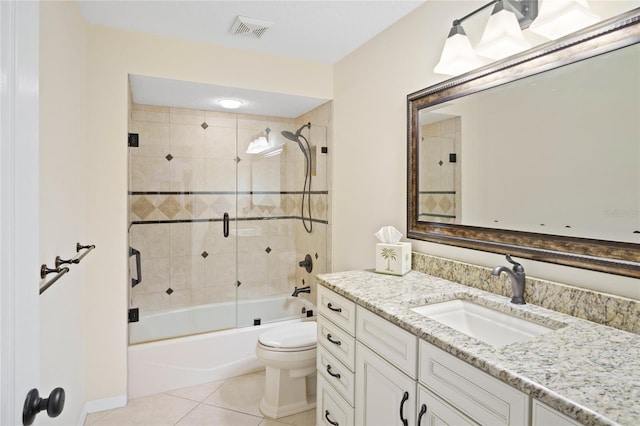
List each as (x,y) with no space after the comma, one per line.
(558,18)
(258,145)
(502,36)
(457,56)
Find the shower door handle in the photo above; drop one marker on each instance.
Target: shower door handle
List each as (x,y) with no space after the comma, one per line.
(136,253)
(225,225)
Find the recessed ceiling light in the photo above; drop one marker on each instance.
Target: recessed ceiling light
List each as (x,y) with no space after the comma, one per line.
(230,103)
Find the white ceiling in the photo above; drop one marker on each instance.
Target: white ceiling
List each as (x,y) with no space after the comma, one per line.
(186,94)
(321,31)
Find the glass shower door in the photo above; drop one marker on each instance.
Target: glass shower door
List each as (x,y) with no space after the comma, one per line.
(272,239)
(182,199)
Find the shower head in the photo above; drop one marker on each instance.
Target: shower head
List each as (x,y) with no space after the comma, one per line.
(291,136)
(295,137)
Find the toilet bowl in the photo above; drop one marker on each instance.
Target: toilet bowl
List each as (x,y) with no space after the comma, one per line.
(289,353)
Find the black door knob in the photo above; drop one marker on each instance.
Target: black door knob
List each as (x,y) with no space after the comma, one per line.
(33,404)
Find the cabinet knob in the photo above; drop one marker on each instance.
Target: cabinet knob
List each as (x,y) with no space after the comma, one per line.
(423,411)
(333,309)
(335,342)
(405,397)
(326,416)
(336,375)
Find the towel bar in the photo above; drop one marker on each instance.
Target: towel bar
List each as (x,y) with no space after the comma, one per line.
(45,270)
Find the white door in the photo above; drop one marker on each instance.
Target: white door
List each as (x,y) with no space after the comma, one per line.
(19,215)
(384,395)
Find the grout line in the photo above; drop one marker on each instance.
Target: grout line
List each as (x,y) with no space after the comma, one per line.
(189,412)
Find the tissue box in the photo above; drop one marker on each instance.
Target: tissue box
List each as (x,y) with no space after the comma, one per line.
(394,259)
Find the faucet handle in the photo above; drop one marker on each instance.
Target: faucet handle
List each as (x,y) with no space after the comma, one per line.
(516,266)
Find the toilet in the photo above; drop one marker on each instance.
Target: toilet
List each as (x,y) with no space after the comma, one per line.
(289,353)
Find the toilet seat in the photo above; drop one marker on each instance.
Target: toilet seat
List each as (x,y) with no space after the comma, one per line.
(299,336)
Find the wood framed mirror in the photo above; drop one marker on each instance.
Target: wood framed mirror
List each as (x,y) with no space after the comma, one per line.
(538,155)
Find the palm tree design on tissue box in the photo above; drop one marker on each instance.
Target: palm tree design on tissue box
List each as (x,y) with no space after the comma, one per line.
(388,254)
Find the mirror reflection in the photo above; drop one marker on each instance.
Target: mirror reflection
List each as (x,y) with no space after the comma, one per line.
(555,153)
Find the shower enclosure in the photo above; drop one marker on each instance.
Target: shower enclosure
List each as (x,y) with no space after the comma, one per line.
(216,233)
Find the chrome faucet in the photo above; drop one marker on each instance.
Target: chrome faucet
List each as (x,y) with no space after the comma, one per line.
(297,291)
(517,278)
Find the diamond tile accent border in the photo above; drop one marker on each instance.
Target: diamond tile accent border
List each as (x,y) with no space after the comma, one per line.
(204,254)
(210,206)
(196,206)
(169,291)
(169,157)
(142,207)
(204,125)
(170,207)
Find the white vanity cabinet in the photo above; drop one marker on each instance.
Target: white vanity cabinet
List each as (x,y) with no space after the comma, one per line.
(372,372)
(543,415)
(336,359)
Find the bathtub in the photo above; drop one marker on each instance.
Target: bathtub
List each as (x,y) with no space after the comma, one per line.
(159,366)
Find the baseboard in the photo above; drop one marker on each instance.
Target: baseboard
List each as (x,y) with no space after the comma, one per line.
(102,405)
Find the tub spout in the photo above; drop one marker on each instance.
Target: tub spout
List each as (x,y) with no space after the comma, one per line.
(297,291)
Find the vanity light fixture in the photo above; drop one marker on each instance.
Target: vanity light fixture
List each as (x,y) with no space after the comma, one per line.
(230,103)
(457,56)
(503,36)
(258,145)
(558,18)
(262,147)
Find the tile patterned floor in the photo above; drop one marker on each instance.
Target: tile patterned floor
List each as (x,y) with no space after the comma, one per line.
(232,402)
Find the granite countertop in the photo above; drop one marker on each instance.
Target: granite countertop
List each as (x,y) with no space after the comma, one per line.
(589,372)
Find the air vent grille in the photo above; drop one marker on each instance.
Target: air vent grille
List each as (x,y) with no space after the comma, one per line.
(249,27)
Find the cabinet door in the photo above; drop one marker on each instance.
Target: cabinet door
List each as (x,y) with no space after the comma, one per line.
(473,392)
(384,395)
(331,408)
(432,411)
(543,415)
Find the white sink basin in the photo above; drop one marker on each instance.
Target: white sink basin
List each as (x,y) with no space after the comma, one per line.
(489,325)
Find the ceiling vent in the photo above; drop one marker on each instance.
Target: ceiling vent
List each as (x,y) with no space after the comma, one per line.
(249,27)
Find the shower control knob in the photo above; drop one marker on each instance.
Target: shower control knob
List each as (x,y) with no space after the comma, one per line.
(33,404)
(307,263)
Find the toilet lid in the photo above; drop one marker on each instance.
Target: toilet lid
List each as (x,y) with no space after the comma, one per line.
(295,335)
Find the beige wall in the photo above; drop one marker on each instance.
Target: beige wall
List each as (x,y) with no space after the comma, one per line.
(370,88)
(62,204)
(112,55)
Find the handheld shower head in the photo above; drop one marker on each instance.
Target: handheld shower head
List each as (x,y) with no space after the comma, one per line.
(289,135)
(295,137)
(306,193)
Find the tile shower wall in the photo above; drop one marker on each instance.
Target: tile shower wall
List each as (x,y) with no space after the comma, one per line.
(183,179)
(439,197)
